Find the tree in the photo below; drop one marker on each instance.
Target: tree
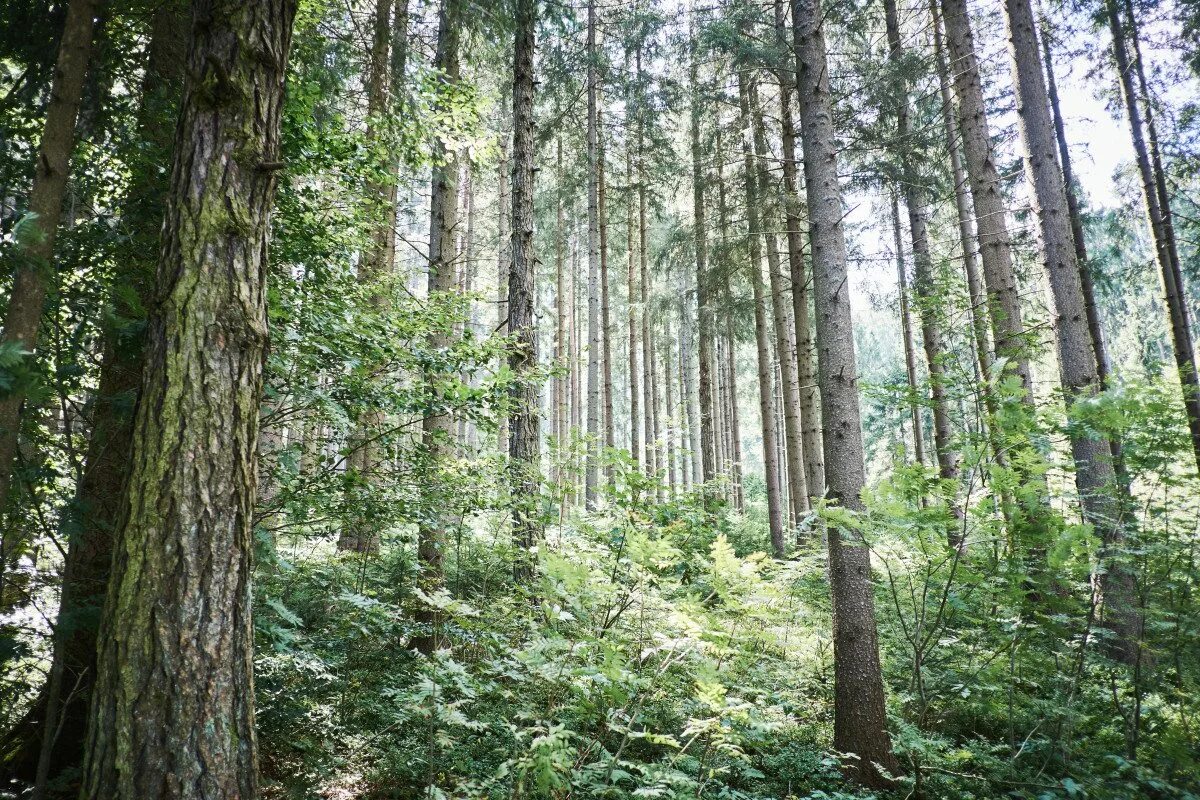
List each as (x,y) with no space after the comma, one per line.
(1158,212)
(1077,363)
(859,714)
(173,712)
(991,225)
(34,275)
(592,466)
(703,304)
(524,421)
(437,425)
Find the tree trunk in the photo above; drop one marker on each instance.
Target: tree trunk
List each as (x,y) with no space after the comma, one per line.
(1158,211)
(766,394)
(1004,302)
(707,445)
(735,425)
(1094,474)
(915,199)
(50,738)
(361,536)
(669,408)
(592,463)
(524,422)
(635,422)
(810,412)
(785,345)
(562,381)
(606,328)
(966,235)
(35,270)
(910,361)
(1095,328)
(503,265)
(437,428)
(174,710)
(860,717)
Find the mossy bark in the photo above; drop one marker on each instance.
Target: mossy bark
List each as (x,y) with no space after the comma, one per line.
(173,714)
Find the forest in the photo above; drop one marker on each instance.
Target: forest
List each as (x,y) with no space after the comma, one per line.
(599,399)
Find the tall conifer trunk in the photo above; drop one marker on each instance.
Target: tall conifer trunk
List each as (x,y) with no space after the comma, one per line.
(1094,473)
(785,346)
(524,422)
(1158,211)
(860,718)
(707,440)
(1004,302)
(438,425)
(766,394)
(53,732)
(810,412)
(916,202)
(592,461)
(173,714)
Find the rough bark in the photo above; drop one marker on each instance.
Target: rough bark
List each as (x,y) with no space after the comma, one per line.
(91,518)
(1004,302)
(174,709)
(766,394)
(35,270)
(860,716)
(1094,474)
(524,421)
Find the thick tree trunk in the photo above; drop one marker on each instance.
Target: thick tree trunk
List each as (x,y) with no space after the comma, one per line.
(93,515)
(1094,473)
(592,463)
(860,717)
(1004,302)
(785,345)
(524,422)
(174,702)
(766,394)
(810,412)
(1158,211)
(437,428)
(35,271)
